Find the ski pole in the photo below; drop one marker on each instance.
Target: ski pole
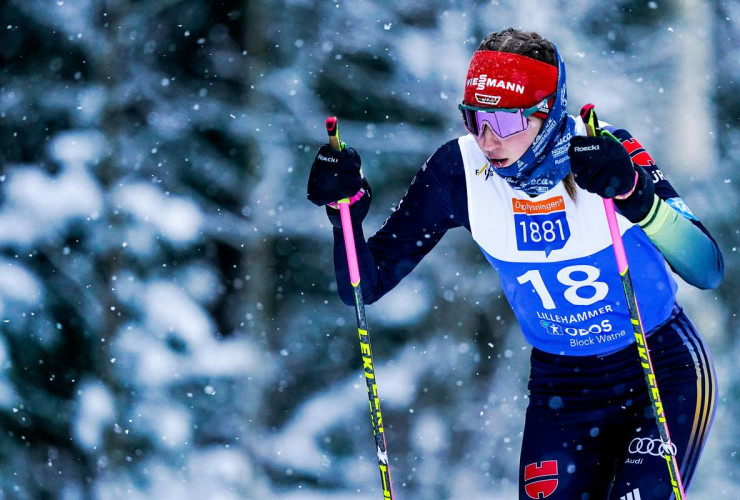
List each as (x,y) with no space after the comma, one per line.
(592,130)
(367,355)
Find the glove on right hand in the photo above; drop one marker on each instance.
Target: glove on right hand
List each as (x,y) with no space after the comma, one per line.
(336,175)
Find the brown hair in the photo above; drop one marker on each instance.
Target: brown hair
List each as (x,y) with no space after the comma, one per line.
(524,43)
(533,45)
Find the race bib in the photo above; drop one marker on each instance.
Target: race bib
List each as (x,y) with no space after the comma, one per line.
(540,225)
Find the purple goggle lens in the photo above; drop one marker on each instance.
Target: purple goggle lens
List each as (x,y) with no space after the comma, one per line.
(504,122)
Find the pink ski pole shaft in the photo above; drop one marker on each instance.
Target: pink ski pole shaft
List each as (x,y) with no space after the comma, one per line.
(367,355)
(592,129)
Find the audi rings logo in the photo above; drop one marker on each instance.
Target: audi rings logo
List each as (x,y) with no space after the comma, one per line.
(654,447)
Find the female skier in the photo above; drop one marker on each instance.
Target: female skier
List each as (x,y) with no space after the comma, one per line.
(528,183)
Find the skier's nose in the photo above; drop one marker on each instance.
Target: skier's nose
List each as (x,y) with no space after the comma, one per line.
(490,141)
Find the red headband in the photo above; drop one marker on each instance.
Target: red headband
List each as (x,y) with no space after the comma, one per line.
(505,80)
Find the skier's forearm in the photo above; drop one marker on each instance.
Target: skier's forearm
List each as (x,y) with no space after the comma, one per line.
(692,254)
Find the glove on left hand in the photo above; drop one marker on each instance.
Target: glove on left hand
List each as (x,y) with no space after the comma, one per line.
(602,166)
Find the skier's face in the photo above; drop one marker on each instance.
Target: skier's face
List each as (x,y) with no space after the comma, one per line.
(504,152)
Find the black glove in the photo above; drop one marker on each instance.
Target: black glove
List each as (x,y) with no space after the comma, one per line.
(336,175)
(602,166)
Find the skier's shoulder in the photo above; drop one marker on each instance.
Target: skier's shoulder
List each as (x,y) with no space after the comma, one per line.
(615,130)
(444,166)
(446,160)
(580,127)
(628,140)
(640,157)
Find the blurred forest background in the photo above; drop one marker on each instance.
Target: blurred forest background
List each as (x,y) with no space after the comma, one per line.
(169,324)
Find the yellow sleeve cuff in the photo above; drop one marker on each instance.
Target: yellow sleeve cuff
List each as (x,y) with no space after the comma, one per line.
(659,214)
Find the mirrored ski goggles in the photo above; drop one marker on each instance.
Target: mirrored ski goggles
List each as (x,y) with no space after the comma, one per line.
(504,122)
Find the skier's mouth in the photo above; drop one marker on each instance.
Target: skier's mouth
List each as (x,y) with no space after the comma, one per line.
(498,162)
